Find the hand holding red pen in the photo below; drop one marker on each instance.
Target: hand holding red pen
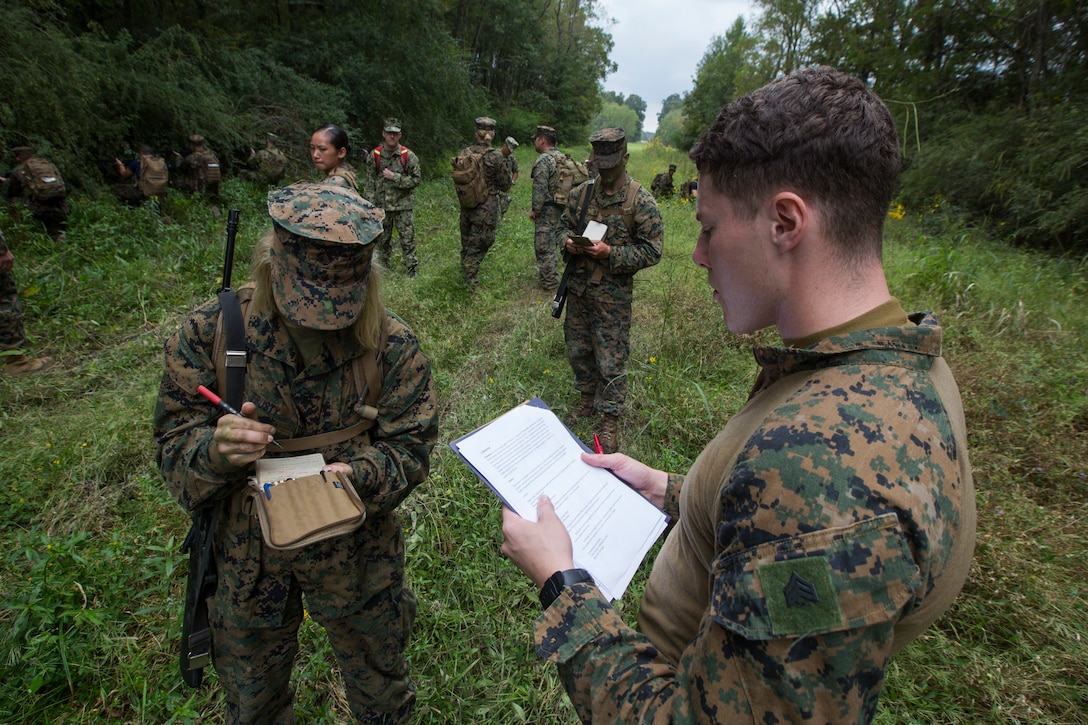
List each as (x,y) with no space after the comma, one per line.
(239,438)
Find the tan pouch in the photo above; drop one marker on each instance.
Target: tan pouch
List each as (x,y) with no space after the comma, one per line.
(297,512)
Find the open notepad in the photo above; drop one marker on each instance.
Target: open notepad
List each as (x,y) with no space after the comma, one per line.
(527,453)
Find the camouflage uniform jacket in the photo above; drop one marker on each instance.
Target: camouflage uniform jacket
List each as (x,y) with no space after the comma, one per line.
(319,398)
(398,193)
(841,518)
(343,175)
(545,176)
(612,279)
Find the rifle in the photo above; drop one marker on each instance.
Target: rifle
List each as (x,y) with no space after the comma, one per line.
(561,291)
(196,635)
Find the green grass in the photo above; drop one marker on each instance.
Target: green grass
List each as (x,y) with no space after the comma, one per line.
(90,578)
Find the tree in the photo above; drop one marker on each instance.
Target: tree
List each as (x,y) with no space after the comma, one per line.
(614,114)
(726,62)
(636,104)
(671,127)
(673,101)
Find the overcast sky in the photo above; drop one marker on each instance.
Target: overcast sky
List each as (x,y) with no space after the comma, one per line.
(658,44)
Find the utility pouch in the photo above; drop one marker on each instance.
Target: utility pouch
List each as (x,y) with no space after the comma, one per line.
(297,512)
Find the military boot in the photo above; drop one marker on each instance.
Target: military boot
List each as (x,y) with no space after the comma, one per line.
(22,365)
(610,433)
(585,407)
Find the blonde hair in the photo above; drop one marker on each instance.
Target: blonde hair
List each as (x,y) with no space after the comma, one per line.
(366,328)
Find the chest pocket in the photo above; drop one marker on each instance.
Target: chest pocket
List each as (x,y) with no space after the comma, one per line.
(811,584)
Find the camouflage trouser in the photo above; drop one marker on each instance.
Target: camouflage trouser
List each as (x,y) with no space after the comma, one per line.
(52,215)
(546,244)
(598,345)
(12,335)
(406,231)
(257,610)
(504,204)
(477,236)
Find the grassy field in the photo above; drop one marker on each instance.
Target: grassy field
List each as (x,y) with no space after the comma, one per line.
(91,582)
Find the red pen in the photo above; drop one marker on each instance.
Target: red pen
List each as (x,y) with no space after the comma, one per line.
(597,444)
(216,400)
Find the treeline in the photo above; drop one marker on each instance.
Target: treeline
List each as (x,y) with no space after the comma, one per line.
(990,96)
(84,81)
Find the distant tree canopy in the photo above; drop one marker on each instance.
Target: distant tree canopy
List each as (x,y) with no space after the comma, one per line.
(989,96)
(85,79)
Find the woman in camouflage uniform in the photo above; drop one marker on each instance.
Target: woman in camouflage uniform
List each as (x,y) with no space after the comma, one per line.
(329,150)
(316,309)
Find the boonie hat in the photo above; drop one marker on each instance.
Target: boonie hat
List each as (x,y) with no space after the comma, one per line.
(392,125)
(609,146)
(511,142)
(485,122)
(321,253)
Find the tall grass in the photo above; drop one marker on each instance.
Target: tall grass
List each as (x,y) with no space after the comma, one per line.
(91,584)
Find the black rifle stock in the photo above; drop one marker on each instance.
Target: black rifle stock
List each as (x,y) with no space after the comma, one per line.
(561,292)
(196,635)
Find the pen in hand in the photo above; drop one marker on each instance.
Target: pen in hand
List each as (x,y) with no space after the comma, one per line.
(597,444)
(215,399)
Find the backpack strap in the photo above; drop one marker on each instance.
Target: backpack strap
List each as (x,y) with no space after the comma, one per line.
(229,355)
(229,348)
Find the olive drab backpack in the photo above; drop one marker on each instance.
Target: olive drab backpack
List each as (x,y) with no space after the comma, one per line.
(468,177)
(42,180)
(570,174)
(154,179)
(209,167)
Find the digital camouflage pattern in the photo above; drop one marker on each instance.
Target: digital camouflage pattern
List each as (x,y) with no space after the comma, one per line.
(321,253)
(12,333)
(478,224)
(344,176)
(397,197)
(398,193)
(597,323)
(837,512)
(548,231)
(504,196)
(202,172)
(353,584)
(266,166)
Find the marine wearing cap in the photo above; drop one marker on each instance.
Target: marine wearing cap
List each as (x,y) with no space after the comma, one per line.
(321,253)
(609,147)
(485,123)
(392,125)
(512,143)
(544,131)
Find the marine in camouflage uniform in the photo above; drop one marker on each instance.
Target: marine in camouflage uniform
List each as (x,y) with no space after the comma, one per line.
(509,146)
(266,166)
(12,333)
(478,224)
(392,174)
(201,169)
(833,518)
(52,213)
(315,305)
(601,285)
(546,213)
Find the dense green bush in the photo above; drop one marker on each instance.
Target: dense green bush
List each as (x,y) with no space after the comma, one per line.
(1026,173)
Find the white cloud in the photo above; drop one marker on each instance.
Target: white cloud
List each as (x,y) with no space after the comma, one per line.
(658,44)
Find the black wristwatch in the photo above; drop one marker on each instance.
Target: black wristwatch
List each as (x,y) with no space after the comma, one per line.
(559,581)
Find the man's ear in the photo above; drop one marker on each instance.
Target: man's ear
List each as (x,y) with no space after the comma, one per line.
(791,217)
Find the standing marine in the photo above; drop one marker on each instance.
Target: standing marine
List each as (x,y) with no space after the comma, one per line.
(316,313)
(546,211)
(600,288)
(392,174)
(478,224)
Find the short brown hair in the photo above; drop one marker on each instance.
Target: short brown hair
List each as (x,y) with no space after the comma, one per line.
(819,132)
